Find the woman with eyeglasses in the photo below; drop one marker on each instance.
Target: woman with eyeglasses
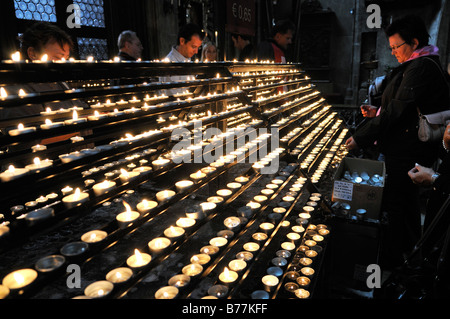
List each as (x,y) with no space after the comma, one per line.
(418,82)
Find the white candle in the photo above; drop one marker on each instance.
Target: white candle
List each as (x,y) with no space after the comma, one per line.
(192,270)
(94,236)
(97,116)
(138,260)
(252,247)
(75,199)
(232,222)
(165,195)
(126,176)
(160,163)
(99,289)
(179,281)
(158,244)
(75,119)
(270,282)
(21,129)
(169,292)
(119,275)
(185,222)
(237,265)
(39,165)
(145,206)
(224,193)
(20,278)
(201,259)
(174,232)
(197,176)
(126,218)
(302,293)
(49,124)
(228,276)
(218,242)
(103,188)
(13,173)
(183,185)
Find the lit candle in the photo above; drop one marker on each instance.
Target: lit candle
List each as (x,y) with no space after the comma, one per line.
(234,185)
(305,261)
(138,260)
(207,206)
(307,271)
(215,199)
(103,188)
(19,278)
(128,217)
(267,227)
(160,163)
(260,198)
(97,116)
(209,250)
(251,247)
(75,119)
(145,206)
(21,129)
(201,259)
(310,243)
(270,282)
(197,176)
(13,173)
(232,223)
(241,179)
(293,237)
(228,277)
(119,275)
(16,57)
(3,93)
(179,281)
(303,281)
(174,233)
(218,242)
(4,292)
(75,199)
(259,237)
(185,222)
(158,244)
(192,270)
(126,176)
(165,195)
(183,185)
(237,265)
(99,289)
(49,124)
(302,293)
(94,236)
(225,193)
(288,246)
(244,255)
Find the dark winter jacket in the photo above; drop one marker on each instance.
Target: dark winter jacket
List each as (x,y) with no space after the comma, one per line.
(415,84)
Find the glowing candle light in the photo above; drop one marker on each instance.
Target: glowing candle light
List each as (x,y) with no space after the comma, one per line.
(104,187)
(39,165)
(145,206)
(12,173)
(228,276)
(138,260)
(3,93)
(20,278)
(126,218)
(119,275)
(75,199)
(21,129)
(16,57)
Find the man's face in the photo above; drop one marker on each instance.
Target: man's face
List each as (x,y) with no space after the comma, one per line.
(53,50)
(283,40)
(134,48)
(189,48)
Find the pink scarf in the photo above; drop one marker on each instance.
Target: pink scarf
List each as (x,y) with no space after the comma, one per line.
(425,51)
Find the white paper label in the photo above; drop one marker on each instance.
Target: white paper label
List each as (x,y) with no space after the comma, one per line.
(343,190)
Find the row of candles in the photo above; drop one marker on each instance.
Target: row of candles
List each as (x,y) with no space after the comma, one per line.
(128,217)
(235,267)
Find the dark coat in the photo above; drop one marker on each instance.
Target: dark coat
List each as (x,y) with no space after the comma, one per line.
(417,83)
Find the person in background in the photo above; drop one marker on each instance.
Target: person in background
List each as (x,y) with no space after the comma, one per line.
(44,38)
(416,83)
(130,47)
(275,48)
(244,46)
(209,52)
(189,40)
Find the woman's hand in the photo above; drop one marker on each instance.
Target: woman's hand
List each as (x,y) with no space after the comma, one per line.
(351,144)
(421,175)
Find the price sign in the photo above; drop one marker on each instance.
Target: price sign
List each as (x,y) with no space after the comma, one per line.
(241,17)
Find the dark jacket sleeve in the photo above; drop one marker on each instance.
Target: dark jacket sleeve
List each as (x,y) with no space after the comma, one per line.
(442,183)
(420,80)
(265,51)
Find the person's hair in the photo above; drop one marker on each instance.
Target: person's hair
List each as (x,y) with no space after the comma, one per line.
(283,27)
(409,27)
(243,36)
(187,31)
(125,36)
(41,33)
(206,46)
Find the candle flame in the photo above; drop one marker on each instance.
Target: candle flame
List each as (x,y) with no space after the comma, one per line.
(44,58)
(22,93)
(93,236)
(139,259)
(16,56)
(101,292)
(48,122)
(37,160)
(77,194)
(226,272)
(20,127)
(19,278)
(127,207)
(11,169)
(3,93)
(96,113)
(124,173)
(75,115)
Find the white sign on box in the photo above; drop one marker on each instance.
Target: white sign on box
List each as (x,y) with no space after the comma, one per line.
(343,190)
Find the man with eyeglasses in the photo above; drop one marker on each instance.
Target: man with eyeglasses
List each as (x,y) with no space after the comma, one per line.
(418,83)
